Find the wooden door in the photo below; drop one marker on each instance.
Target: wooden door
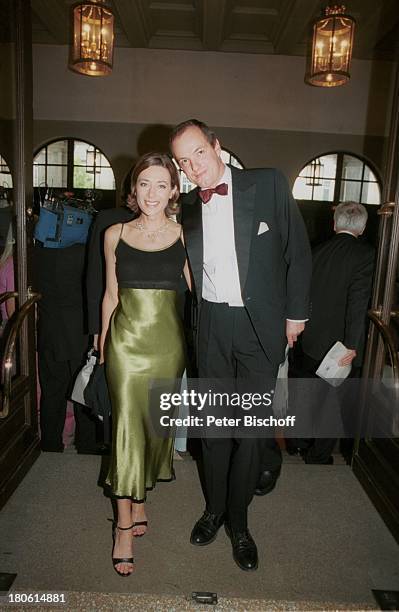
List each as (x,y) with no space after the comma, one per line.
(19,439)
(376,458)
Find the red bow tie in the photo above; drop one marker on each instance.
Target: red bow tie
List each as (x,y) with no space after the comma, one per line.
(206,194)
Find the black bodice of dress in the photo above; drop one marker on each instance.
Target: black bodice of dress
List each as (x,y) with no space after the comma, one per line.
(140,269)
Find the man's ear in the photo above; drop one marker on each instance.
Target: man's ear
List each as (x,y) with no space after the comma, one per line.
(217,147)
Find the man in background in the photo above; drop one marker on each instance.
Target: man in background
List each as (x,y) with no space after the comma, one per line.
(340,293)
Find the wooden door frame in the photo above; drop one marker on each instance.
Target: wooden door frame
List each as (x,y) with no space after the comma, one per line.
(26,444)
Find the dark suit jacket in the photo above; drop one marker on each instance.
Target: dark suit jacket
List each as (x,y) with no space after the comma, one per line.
(59,277)
(340,293)
(274,267)
(95,278)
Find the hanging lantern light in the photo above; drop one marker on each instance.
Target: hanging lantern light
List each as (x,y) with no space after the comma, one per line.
(314,178)
(92,46)
(331,48)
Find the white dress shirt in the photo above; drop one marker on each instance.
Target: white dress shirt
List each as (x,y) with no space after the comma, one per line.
(221,282)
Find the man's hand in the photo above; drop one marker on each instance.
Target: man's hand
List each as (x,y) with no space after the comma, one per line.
(347,358)
(292,330)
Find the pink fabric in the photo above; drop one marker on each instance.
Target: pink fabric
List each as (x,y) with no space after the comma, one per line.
(6,283)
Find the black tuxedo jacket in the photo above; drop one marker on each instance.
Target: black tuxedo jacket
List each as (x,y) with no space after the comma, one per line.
(274,266)
(340,293)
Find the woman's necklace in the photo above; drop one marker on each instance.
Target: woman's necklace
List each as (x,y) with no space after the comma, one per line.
(152,235)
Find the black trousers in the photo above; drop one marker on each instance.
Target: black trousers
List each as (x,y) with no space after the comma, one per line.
(228,348)
(343,401)
(56,378)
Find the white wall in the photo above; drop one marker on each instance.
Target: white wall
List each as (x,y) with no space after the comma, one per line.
(229,90)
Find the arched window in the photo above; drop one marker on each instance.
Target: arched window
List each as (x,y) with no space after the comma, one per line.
(227,157)
(338,177)
(74,165)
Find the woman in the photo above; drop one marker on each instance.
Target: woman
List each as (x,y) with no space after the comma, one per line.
(141,339)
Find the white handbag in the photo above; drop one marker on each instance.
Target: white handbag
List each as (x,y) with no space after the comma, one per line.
(83,378)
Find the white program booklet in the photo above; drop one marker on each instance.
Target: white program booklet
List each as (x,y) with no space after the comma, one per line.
(329,369)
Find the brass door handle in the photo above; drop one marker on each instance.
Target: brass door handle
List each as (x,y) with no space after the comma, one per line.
(388,339)
(7,296)
(6,366)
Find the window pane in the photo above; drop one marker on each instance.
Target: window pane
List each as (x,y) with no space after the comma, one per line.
(328,169)
(325,191)
(5,180)
(39,175)
(57,152)
(82,179)
(40,158)
(228,158)
(369,175)
(371,193)
(185,184)
(80,152)
(105,179)
(352,168)
(301,190)
(57,176)
(350,191)
(101,160)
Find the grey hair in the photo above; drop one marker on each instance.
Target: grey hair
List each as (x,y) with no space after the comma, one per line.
(350,217)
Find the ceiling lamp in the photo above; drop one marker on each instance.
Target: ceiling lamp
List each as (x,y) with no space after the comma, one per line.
(314,176)
(92,46)
(331,48)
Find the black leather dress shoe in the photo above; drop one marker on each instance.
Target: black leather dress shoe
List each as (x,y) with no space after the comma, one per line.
(245,553)
(206,528)
(267,481)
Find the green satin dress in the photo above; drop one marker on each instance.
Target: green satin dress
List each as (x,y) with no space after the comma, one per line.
(145,341)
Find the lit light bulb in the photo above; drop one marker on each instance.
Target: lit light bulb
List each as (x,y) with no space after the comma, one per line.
(329,77)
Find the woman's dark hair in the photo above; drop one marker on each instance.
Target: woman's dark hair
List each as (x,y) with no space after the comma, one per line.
(155,159)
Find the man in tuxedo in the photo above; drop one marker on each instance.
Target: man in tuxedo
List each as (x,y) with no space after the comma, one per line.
(340,293)
(250,260)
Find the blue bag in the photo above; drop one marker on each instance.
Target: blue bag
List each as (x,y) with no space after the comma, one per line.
(63,226)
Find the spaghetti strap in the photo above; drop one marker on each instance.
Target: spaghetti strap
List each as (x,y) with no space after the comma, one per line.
(120,235)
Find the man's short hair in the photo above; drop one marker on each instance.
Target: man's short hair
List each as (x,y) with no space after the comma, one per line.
(184,125)
(350,217)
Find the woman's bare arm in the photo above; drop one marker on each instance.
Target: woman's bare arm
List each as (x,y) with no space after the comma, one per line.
(110,300)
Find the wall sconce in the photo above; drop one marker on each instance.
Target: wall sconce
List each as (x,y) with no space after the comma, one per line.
(92,47)
(331,48)
(315,176)
(91,161)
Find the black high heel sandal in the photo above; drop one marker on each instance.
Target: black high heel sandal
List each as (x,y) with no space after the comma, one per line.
(116,560)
